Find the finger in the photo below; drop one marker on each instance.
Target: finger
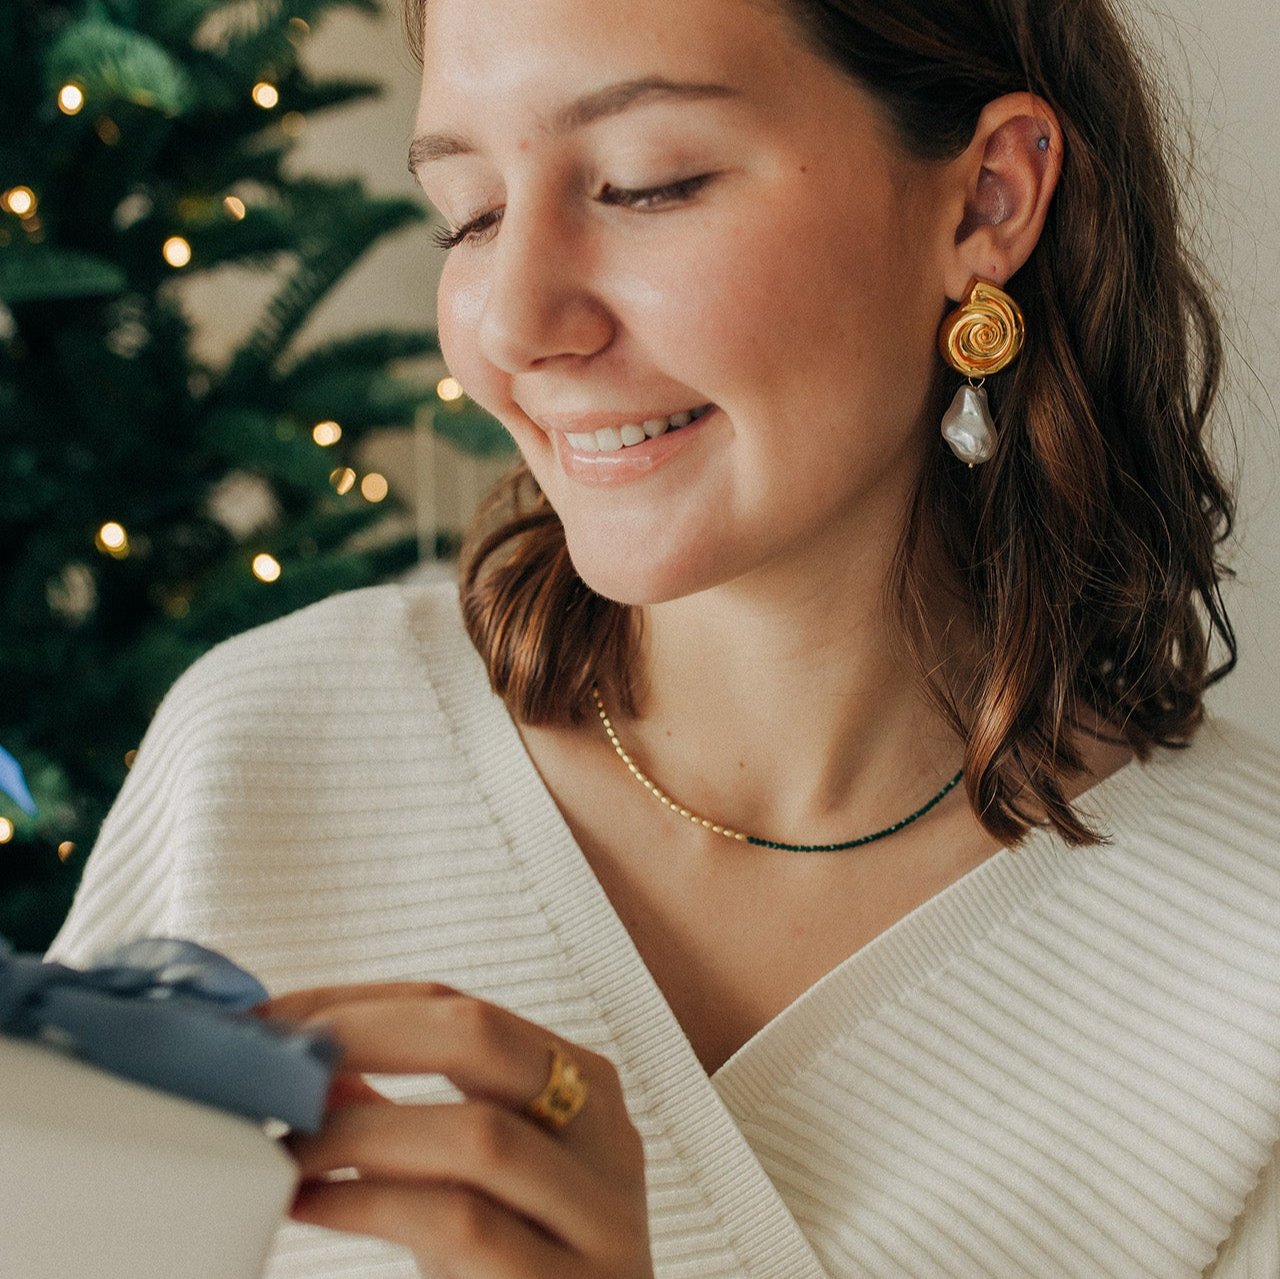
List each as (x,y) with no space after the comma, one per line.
(297,1005)
(482,1146)
(450,1226)
(487,1051)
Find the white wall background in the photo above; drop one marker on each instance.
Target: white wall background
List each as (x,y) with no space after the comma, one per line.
(1223,61)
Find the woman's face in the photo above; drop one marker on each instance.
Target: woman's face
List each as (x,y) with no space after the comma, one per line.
(673,206)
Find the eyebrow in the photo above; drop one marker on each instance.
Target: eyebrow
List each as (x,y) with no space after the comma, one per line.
(593,106)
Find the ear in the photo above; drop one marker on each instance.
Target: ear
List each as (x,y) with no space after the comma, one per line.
(1004,183)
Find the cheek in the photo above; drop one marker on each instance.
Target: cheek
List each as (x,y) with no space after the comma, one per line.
(459,306)
(789,302)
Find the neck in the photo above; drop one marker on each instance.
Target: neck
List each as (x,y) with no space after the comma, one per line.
(787,707)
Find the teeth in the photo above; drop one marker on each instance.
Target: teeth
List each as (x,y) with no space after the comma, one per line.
(612,438)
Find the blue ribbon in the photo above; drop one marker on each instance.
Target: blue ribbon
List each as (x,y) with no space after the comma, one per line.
(174,1016)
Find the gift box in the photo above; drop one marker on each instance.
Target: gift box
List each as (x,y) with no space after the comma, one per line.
(101,1178)
(139,1103)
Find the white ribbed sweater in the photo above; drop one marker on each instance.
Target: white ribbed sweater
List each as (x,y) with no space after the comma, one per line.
(1067,1063)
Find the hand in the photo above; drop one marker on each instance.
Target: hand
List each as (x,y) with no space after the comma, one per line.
(476,1190)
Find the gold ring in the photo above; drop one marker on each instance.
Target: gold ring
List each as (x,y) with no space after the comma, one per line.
(562,1098)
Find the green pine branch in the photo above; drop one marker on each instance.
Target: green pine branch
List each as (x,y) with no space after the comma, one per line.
(338,225)
(44,273)
(113,64)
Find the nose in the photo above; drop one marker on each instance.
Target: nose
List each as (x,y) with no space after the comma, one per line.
(540,304)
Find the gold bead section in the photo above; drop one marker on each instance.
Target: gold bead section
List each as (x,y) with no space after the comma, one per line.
(653,790)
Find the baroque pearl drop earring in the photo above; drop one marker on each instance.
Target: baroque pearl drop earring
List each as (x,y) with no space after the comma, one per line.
(981,337)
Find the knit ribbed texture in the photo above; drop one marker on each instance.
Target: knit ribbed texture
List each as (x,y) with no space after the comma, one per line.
(1065,1064)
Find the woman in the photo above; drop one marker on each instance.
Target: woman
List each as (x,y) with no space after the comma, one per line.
(993,988)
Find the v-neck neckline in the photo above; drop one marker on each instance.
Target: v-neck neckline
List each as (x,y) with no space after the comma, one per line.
(897,958)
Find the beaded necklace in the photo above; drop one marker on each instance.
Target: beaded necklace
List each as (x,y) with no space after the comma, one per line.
(717,829)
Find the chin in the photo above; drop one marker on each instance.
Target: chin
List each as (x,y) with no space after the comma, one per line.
(636,579)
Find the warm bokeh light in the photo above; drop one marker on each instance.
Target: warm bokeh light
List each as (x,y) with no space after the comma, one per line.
(294,123)
(374,487)
(65,849)
(449,388)
(70,99)
(234,205)
(129,757)
(266,568)
(266,95)
(326,433)
(301,26)
(19,200)
(177,251)
(343,479)
(113,540)
(6,830)
(108,130)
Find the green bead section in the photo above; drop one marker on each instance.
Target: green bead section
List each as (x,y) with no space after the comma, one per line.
(865,839)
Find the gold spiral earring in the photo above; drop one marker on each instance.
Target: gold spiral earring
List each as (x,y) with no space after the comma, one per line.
(980,337)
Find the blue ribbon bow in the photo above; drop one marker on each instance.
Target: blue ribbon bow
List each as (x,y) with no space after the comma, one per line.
(174,1016)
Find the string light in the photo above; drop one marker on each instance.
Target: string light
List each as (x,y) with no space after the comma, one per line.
(6,830)
(374,487)
(266,568)
(301,26)
(177,251)
(266,95)
(326,433)
(449,388)
(19,200)
(129,757)
(234,206)
(65,849)
(343,479)
(70,99)
(113,540)
(108,130)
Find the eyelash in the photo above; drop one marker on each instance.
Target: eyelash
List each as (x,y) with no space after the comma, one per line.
(674,192)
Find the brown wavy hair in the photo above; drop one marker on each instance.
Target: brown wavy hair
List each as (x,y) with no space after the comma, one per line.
(1087,549)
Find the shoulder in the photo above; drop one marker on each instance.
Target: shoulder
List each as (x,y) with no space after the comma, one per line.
(1191,869)
(331,654)
(354,680)
(1222,791)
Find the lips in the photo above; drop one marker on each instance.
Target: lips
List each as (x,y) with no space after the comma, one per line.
(626,463)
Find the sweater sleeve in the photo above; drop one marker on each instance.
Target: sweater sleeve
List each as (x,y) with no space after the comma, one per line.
(1252,1250)
(126,890)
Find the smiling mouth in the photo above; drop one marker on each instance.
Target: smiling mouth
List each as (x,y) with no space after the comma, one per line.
(611,439)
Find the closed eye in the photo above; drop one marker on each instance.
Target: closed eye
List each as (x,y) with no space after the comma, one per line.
(469,231)
(654,197)
(643,199)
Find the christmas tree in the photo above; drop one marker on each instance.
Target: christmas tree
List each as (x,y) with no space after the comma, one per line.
(151,505)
